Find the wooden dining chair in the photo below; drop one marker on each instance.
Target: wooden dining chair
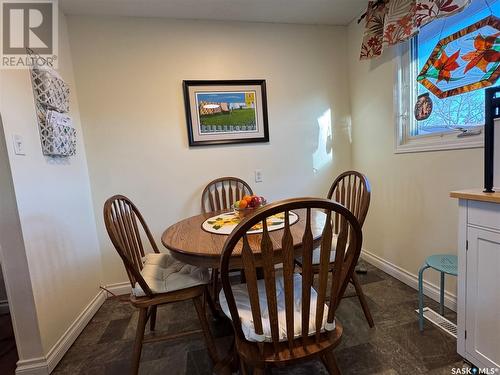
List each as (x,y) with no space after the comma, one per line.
(281,319)
(352,190)
(156,278)
(222,192)
(219,195)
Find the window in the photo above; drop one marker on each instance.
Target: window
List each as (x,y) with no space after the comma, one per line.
(455,121)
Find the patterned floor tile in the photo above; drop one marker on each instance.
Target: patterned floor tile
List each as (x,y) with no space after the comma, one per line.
(394,346)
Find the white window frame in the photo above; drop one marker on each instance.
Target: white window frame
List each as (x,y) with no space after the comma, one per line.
(405,96)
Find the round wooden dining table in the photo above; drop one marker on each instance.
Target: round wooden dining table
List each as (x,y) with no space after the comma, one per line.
(191,244)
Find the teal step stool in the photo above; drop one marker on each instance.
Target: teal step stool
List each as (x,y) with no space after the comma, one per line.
(444,263)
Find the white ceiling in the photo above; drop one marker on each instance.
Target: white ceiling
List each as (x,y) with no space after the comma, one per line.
(327,12)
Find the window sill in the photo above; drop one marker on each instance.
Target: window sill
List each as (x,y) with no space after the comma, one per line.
(436,143)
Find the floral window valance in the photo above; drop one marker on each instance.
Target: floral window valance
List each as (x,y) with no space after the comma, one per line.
(390,22)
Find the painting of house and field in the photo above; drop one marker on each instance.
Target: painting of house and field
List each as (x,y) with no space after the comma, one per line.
(227,112)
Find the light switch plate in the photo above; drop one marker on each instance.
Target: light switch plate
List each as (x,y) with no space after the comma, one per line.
(258,175)
(18,144)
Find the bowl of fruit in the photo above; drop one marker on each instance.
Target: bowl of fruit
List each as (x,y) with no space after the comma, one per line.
(248,204)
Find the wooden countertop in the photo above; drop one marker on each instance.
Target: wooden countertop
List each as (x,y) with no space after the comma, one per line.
(476,195)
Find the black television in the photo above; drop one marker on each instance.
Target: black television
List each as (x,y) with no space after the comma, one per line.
(491,112)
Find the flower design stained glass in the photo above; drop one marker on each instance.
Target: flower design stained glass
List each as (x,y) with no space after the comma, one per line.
(464,61)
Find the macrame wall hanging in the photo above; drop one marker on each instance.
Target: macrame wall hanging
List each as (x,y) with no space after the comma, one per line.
(51,93)
(464,61)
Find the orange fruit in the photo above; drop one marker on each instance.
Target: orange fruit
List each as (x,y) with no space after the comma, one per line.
(247,198)
(243,204)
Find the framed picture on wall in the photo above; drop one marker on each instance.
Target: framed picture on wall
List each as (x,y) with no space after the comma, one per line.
(226,112)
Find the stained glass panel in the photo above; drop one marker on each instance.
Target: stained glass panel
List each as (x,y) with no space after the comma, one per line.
(449,51)
(464,61)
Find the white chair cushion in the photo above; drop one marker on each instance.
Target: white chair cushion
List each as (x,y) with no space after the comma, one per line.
(164,274)
(240,293)
(316,252)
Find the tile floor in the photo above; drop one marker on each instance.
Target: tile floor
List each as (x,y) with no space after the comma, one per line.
(394,346)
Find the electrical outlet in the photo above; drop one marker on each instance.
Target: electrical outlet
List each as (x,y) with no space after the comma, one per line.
(18,144)
(258,175)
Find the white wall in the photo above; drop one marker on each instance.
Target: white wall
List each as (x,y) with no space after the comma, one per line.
(55,209)
(411,215)
(14,262)
(129,73)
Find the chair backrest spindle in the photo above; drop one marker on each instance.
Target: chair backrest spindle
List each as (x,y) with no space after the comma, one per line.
(251,277)
(307,274)
(267,253)
(222,192)
(352,190)
(288,268)
(324,263)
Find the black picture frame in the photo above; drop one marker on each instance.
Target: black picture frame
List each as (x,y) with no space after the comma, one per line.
(491,112)
(221,138)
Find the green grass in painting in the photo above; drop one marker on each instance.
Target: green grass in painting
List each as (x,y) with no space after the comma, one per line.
(238,117)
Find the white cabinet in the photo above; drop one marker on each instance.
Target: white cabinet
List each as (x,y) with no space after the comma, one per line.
(479,283)
(482,311)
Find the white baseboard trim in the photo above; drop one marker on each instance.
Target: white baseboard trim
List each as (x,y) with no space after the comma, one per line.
(410,279)
(118,289)
(46,365)
(32,366)
(60,348)
(4,307)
